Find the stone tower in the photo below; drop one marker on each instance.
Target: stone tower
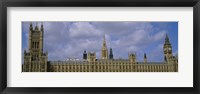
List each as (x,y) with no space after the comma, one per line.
(91,56)
(111,54)
(167,48)
(91,60)
(104,51)
(85,55)
(132,58)
(35,60)
(145,58)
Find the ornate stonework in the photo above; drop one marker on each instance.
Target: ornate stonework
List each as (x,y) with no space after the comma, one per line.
(35,60)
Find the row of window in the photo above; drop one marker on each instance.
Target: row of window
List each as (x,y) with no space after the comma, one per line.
(110,67)
(35,44)
(35,57)
(116,70)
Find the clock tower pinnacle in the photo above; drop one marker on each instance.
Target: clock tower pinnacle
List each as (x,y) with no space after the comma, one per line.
(167,48)
(104,51)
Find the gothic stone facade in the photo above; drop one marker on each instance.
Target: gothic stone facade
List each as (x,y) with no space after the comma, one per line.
(35,60)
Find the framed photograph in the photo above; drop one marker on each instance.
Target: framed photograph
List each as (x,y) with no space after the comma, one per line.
(74,46)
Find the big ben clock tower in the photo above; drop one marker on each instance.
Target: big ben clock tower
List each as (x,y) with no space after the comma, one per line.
(104,51)
(167,48)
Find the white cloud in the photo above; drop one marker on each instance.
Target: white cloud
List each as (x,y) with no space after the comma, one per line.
(84,30)
(159,35)
(70,39)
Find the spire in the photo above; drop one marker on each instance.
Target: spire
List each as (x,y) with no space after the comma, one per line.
(85,55)
(167,39)
(104,37)
(36,27)
(104,41)
(41,26)
(111,54)
(24,51)
(31,26)
(104,51)
(145,56)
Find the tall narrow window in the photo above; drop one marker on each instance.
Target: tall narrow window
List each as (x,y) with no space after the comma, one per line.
(32,45)
(37,44)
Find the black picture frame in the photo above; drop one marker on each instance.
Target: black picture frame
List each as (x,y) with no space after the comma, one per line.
(99,3)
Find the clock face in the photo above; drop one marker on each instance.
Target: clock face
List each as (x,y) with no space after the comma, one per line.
(170,48)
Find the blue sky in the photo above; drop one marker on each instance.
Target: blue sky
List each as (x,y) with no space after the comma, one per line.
(65,40)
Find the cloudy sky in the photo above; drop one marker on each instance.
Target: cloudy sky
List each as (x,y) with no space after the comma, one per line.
(65,40)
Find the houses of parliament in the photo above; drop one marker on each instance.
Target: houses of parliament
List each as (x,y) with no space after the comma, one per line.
(36,60)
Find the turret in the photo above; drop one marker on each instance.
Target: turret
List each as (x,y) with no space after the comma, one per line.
(111,54)
(132,58)
(91,57)
(36,27)
(41,28)
(145,58)
(24,51)
(31,26)
(30,37)
(42,36)
(85,55)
